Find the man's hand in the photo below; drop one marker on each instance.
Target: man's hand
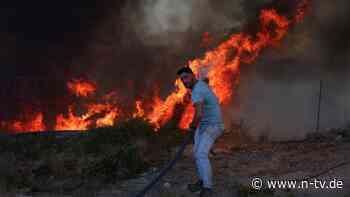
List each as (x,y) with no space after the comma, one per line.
(192,133)
(197,115)
(193,126)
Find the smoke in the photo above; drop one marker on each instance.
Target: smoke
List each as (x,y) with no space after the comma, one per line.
(171,23)
(148,40)
(143,43)
(320,41)
(285,109)
(332,23)
(278,95)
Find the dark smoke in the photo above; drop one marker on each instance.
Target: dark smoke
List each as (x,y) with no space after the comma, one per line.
(135,46)
(143,45)
(39,42)
(333,21)
(318,46)
(279,93)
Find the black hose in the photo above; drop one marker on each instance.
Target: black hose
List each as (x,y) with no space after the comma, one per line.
(168,166)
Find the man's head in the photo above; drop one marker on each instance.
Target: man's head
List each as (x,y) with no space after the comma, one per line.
(187,77)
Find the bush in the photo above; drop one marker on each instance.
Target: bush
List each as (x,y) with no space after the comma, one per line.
(108,154)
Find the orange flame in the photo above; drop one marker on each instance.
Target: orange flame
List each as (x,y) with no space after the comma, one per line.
(226,59)
(108,120)
(33,124)
(222,62)
(81,88)
(140,113)
(71,122)
(187,117)
(96,115)
(163,110)
(110,114)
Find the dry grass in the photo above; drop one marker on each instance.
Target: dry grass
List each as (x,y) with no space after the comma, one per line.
(103,155)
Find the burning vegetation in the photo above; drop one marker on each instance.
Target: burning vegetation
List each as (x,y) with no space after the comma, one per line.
(223,65)
(81,88)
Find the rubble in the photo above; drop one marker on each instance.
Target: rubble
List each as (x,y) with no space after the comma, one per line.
(330,134)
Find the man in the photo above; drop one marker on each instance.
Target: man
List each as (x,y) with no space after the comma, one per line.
(207,124)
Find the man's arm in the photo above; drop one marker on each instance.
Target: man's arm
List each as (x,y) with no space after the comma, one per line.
(197,115)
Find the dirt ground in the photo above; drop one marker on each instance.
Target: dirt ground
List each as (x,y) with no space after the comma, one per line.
(235,168)
(236,164)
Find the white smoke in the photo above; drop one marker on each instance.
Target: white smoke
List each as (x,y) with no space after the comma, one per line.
(167,16)
(170,23)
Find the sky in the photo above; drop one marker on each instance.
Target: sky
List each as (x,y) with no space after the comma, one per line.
(36,33)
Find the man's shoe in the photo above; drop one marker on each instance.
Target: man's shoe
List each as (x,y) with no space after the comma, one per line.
(206,192)
(196,186)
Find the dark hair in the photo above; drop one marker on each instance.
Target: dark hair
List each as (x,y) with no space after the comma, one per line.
(185,69)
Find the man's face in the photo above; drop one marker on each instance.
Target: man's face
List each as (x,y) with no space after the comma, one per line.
(188,80)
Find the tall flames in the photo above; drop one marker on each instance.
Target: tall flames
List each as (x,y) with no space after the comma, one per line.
(223,65)
(224,61)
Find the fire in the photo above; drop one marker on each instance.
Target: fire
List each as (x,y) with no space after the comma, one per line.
(98,115)
(81,88)
(109,114)
(227,57)
(140,113)
(108,119)
(163,110)
(32,124)
(223,65)
(72,122)
(187,117)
